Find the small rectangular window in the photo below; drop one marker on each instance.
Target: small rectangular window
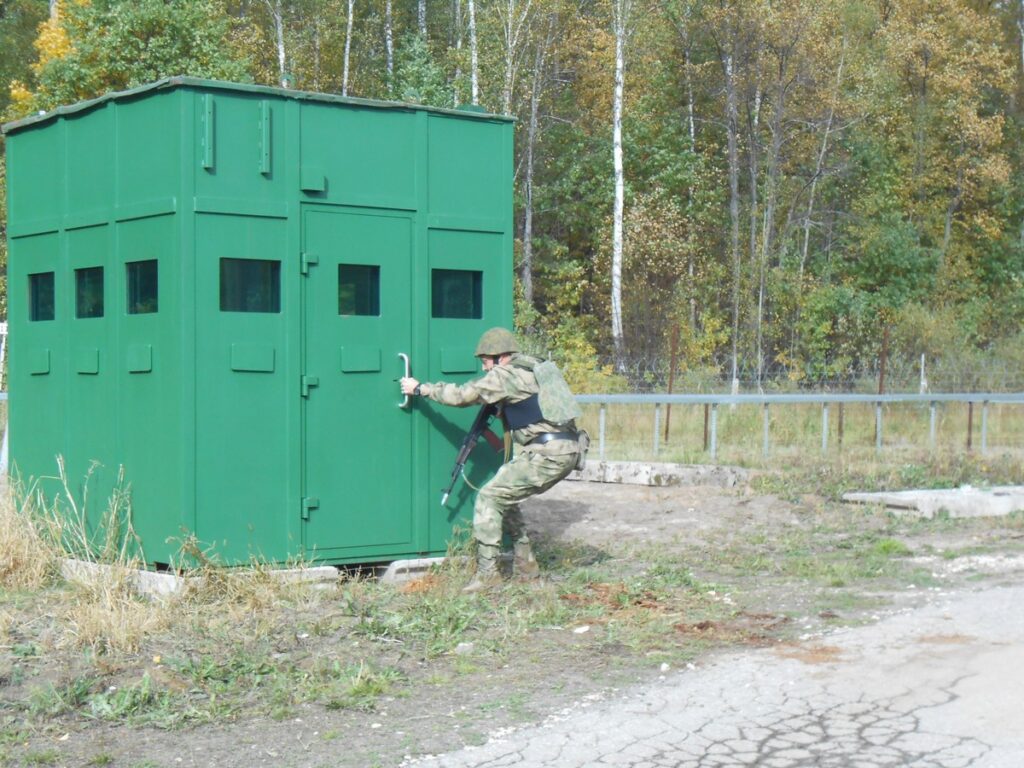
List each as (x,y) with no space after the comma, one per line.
(250,285)
(359,289)
(89,292)
(457,293)
(40,296)
(141,279)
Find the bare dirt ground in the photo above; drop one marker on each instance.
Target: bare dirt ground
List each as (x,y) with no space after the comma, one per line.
(765,570)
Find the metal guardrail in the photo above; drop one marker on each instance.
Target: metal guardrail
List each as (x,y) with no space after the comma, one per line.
(711,403)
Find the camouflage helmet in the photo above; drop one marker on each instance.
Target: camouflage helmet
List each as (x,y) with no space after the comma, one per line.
(496,341)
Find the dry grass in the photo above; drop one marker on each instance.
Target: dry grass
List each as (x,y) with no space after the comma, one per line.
(107,614)
(28,558)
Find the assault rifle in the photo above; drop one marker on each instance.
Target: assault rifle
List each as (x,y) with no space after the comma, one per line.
(479,428)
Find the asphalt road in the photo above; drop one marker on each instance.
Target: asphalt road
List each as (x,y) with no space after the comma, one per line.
(938,686)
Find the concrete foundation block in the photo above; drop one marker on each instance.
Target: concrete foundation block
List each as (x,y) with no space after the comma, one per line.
(659,474)
(965,501)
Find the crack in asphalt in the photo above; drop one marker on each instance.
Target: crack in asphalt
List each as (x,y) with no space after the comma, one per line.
(798,731)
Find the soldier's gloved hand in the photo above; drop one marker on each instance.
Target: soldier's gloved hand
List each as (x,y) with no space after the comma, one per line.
(409,385)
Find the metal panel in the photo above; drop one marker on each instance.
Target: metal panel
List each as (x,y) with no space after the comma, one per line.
(451,340)
(242,431)
(239,165)
(360,157)
(93,413)
(467,181)
(150,381)
(37,372)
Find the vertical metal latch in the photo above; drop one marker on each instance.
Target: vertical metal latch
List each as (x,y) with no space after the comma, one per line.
(308,260)
(308,503)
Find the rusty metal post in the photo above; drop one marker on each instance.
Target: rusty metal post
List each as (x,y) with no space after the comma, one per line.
(839,428)
(671,377)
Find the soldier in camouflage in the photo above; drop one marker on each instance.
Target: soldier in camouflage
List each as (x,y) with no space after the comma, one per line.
(547,453)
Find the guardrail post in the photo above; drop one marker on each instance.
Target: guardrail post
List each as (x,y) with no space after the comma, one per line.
(824,428)
(878,427)
(839,432)
(707,408)
(600,431)
(657,425)
(931,424)
(970,425)
(984,427)
(764,441)
(714,431)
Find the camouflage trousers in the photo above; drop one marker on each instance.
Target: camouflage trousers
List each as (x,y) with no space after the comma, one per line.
(497,505)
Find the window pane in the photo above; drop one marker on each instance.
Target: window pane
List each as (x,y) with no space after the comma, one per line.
(457,293)
(358,289)
(40,296)
(142,283)
(89,292)
(250,285)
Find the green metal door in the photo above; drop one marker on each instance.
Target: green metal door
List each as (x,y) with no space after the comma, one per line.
(357,440)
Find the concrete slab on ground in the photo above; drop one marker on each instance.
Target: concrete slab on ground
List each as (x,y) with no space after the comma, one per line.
(659,474)
(161,583)
(965,501)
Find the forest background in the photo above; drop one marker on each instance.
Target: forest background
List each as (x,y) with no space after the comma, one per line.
(771,194)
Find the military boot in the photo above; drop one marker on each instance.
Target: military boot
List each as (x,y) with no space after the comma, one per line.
(524,564)
(487,574)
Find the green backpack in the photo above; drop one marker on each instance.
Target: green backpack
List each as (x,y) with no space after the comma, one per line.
(557,403)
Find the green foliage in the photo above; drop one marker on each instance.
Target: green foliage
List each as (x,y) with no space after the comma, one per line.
(19,20)
(418,78)
(118,45)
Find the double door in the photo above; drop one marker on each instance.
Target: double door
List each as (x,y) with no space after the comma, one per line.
(374,463)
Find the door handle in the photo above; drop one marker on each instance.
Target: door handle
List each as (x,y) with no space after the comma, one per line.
(405,358)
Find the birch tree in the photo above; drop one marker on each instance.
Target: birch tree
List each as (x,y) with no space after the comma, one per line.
(277,15)
(539,78)
(515,20)
(621,10)
(474,66)
(389,47)
(348,47)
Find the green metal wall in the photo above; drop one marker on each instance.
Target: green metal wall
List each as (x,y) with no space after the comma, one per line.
(266,429)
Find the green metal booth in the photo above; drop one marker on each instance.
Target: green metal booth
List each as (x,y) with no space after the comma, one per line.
(216,287)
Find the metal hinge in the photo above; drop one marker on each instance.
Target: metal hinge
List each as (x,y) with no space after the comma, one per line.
(308,503)
(308,260)
(308,382)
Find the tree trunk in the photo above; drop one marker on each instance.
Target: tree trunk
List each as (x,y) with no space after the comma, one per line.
(822,154)
(732,128)
(951,209)
(514,26)
(457,13)
(526,270)
(348,48)
(421,18)
(278,15)
(621,8)
(474,88)
(777,126)
(389,46)
(316,56)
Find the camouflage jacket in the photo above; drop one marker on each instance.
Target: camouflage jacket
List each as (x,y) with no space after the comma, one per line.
(504,383)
